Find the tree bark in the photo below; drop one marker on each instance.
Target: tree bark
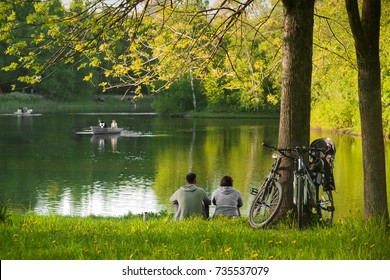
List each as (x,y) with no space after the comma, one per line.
(193,90)
(366,35)
(294,129)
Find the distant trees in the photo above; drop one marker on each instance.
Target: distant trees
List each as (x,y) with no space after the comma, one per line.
(233,51)
(120,49)
(28,38)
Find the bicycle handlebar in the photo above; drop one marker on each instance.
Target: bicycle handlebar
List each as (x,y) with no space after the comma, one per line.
(297,149)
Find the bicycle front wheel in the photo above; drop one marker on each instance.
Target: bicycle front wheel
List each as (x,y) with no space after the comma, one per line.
(325,206)
(265,204)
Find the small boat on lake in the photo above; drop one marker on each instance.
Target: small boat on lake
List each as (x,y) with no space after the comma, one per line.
(23,111)
(106,130)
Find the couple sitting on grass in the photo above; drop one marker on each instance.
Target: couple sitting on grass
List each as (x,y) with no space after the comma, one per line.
(190,200)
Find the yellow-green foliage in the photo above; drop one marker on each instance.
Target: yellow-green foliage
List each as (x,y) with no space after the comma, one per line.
(335,76)
(55,237)
(237,63)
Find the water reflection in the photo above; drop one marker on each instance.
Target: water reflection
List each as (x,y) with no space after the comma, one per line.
(46,168)
(24,122)
(101,141)
(131,195)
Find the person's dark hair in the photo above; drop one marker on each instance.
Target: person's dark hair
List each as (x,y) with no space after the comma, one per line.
(226,181)
(191,178)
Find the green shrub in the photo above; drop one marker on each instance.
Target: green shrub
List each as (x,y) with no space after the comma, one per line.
(4,211)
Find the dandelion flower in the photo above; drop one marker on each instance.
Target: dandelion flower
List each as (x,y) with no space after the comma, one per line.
(271,257)
(354,239)
(254,255)
(228,249)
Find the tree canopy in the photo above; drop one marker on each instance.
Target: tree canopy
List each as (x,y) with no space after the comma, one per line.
(231,49)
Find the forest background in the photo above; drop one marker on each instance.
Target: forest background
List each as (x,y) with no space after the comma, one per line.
(243,76)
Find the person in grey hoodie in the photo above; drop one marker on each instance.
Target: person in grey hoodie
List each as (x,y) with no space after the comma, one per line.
(190,200)
(227,199)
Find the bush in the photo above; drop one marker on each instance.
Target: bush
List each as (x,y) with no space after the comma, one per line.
(178,98)
(4,211)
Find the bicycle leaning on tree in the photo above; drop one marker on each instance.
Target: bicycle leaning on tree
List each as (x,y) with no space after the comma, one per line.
(308,197)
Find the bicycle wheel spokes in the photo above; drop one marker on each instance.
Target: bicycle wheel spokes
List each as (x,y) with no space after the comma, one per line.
(325,206)
(265,205)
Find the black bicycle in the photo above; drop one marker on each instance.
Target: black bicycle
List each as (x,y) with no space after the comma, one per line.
(306,184)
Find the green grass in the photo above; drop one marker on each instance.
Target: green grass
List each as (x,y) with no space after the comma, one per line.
(30,236)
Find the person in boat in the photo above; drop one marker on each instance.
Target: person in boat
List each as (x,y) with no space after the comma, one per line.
(102,124)
(190,200)
(227,199)
(114,124)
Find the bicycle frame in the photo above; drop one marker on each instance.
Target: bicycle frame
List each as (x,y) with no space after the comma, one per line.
(272,175)
(309,186)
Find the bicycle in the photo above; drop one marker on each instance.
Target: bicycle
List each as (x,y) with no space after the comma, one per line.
(306,191)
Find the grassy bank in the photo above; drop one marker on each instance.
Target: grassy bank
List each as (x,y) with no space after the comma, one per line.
(263,115)
(87,238)
(10,102)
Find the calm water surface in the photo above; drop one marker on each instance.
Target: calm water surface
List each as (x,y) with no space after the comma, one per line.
(49,164)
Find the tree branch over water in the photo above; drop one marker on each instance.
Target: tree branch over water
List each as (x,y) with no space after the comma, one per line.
(138,42)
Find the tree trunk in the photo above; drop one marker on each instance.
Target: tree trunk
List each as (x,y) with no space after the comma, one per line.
(294,129)
(366,35)
(193,90)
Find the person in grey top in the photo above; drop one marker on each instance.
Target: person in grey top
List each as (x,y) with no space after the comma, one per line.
(227,199)
(190,200)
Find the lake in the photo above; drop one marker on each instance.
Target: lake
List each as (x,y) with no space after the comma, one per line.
(50,164)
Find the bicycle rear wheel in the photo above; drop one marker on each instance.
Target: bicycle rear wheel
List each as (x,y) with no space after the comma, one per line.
(325,206)
(265,204)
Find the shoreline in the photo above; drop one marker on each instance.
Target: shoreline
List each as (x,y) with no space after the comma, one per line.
(113,104)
